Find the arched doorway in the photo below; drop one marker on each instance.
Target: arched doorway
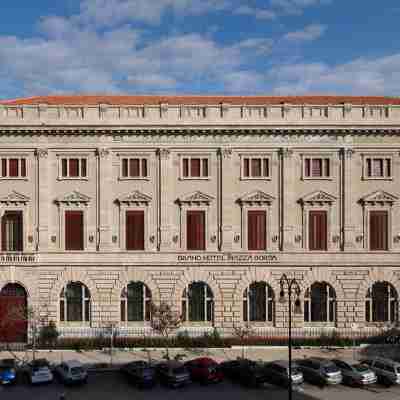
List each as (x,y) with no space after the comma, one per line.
(13,314)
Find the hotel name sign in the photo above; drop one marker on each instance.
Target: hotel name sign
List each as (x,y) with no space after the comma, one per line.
(228,258)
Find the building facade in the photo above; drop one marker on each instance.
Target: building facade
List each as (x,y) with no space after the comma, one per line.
(110,202)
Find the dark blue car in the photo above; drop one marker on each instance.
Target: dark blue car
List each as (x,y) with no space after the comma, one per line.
(8,371)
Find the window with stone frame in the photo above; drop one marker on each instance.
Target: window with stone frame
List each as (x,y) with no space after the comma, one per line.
(255,167)
(73,167)
(258,303)
(195,230)
(317,167)
(378,230)
(13,167)
(256,230)
(198,303)
(135,302)
(195,167)
(382,303)
(134,167)
(75,303)
(318,230)
(74,230)
(320,303)
(12,231)
(377,167)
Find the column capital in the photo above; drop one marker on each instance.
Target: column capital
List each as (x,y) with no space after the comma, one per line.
(163,153)
(225,152)
(347,152)
(103,152)
(286,152)
(41,153)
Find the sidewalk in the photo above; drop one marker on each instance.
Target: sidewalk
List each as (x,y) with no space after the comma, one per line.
(122,356)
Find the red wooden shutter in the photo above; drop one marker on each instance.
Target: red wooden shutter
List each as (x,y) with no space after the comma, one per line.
(124,167)
(64,167)
(246,167)
(135,230)
(195,230)
(134,167)
(144,168)
(12,231)
(74,167)
(74,230)
(205,167)
(4,167)
(256,221)
(327,171)
(265,167)
(83,167)
(318,230)
(256,167)
(307,167)
(13,165)
(378,230)
(317,167)
(23,167)
(195,167)
(185,167)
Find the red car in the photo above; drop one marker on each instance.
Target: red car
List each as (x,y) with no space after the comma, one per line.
(204,370)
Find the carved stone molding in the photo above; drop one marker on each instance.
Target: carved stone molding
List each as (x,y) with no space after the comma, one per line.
(286,152)
(164,154)
(41,153)
(136,198)
(103,152)
(14,198)
(73,198)
(347,152)
(379,197)
(225,152)
(196,198)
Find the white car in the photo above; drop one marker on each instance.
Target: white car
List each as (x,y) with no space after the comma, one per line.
(38,371)
(71,371)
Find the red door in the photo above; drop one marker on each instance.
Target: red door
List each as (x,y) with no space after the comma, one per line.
(13,314)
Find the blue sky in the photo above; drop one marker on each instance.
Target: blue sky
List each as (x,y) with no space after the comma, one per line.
(247,47)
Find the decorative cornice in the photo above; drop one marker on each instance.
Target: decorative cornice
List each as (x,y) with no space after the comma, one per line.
(73,197)
(195,198)
(256,198)
(379,197)
(318,197)
(135,198)
(14,198)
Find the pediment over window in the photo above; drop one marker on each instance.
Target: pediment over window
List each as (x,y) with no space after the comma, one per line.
(135,198)
(74,197)
(379,197)
(257,198)
(318,198)
(14,198)
(195,198)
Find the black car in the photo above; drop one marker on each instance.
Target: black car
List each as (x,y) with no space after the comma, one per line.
(244,371)
(173,373)
(140,373)
(278,373)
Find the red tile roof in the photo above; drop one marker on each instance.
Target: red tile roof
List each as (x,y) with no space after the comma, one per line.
(199,100)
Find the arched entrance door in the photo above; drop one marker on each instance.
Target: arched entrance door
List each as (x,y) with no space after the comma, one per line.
(13,314)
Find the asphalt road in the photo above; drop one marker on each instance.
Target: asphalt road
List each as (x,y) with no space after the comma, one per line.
(112,386)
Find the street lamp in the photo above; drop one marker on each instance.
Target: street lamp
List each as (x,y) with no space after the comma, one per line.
(291,285)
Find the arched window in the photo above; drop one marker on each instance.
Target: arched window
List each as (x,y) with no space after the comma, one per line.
(75,303)
(135,302)
(198,303)
(258,303)
(381,304)
(320,303)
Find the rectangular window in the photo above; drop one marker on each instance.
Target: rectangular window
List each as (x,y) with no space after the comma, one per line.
(134,230)
(256,232)
(318,230)
(255,167)
(134,167)
(195,167)
(12,231)
(316,167)
(378,167)
(74,167)
(378,230)
(195,229)
(13,167)
(73,230)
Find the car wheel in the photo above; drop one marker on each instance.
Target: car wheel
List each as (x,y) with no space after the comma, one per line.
(386,382)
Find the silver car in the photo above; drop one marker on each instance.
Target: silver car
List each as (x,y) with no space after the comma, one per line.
(355,374)
(71,371)
(320,371)
(278,373)
(387,370)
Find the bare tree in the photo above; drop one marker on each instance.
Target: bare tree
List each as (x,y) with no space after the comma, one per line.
(164,321)
(243,332)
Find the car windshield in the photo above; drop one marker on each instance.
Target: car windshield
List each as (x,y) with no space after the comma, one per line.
(330,368)
(76,370)
(40,364)
(295,371)
(178,370)
(361,368)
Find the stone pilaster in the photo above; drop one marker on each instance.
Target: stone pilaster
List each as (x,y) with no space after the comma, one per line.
(348,226)
(105,200)
(164,203)
(43,199)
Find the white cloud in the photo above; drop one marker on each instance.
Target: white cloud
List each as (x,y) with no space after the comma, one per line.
(296,7)
(309,33)
(258,13)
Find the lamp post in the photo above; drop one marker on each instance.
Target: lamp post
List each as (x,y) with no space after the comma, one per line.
(291,286)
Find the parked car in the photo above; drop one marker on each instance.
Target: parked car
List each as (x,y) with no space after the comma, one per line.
(140,373)
(319,371)
(204,370)
(71,371)
(355,374)
(245,371)
(8,371)
(38,371)
(173,373)
(386,370)
(277,372)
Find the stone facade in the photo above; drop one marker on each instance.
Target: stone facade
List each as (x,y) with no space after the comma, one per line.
(345,131)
